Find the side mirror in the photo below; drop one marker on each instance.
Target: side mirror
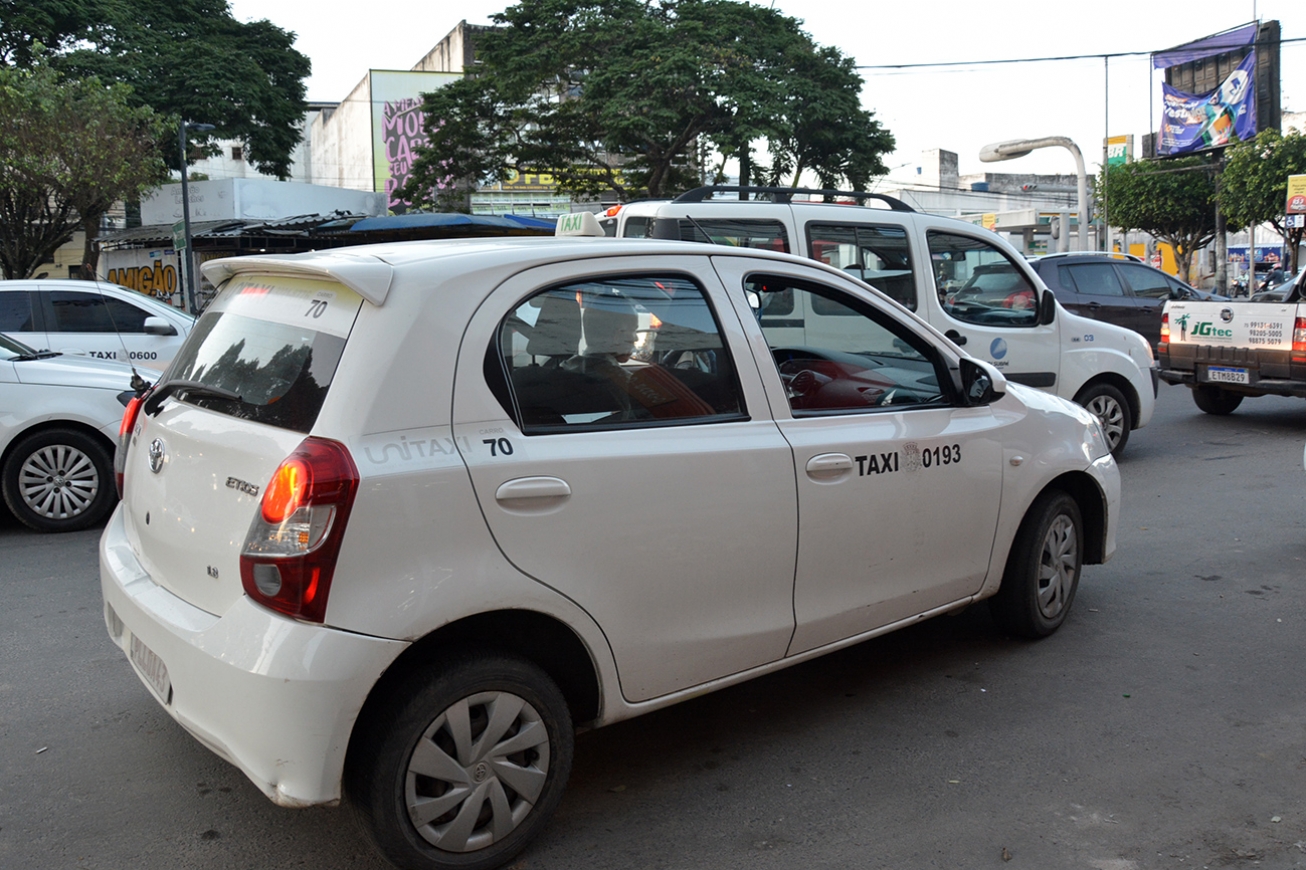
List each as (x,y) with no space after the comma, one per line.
(159,326)
(981,383)
(1047,308)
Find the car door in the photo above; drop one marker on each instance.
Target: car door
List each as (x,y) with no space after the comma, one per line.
(1102,295)
(1151,289)
(20,317)
(898,485)
(620,446)
(90,323)
(982,299)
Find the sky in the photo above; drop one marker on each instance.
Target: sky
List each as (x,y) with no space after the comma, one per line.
(959,109)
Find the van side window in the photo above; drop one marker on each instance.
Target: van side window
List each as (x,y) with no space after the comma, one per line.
(878,255)
(614,352)
(977,283)
(857,359)
(763,235)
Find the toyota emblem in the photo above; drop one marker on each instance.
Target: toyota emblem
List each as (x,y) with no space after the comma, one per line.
(157,454)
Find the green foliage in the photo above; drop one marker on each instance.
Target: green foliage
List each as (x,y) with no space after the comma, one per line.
(68,151)
(186,58)
(1254,185)
(1174,200)
(618,94)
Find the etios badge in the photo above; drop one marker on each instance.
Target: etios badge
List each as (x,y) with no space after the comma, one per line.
(157,454)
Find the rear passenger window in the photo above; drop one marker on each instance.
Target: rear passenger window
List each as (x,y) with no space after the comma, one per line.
(878,255)
(1146,282)
(614,352)
(90,312)
(977,283)
(1092,279)
(16,312)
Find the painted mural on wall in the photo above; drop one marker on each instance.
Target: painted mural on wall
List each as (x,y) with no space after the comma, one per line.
(398,126)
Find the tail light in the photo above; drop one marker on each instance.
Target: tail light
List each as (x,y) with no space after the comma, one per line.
(1299,341)
(125,437)
(290,552)
(1163,346)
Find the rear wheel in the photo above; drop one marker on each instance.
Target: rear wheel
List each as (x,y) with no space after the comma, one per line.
(59,480)
(1112,411)
(1214,400)
(463,766)
(1043,568)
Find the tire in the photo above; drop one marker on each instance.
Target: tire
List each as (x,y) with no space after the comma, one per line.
(59,480)
(404,763)
(1112,410)
(1214,400)
(1038,586)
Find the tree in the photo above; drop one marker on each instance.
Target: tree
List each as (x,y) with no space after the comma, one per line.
(68,151)
(618,94)
(186,58)
(1173,200)
(1254,184)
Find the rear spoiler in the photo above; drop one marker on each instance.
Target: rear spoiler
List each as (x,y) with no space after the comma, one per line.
(365,274)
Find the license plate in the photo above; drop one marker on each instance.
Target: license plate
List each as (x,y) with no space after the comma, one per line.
(1226,375)
(151,668)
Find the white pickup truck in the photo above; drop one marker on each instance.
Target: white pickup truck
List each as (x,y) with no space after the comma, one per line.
(1226,351)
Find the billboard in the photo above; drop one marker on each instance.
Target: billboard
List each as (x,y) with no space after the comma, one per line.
(399,126)
(1119,149)
(1195,122)
(1296,202)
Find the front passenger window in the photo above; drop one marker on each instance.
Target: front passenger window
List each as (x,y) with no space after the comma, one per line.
(979,284)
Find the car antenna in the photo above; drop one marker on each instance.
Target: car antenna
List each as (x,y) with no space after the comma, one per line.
(138,383)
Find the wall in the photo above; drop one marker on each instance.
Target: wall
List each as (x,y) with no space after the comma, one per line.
(254,199)
(341,141)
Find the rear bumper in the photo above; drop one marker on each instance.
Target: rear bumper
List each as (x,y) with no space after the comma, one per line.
(1261,387)
(275,697)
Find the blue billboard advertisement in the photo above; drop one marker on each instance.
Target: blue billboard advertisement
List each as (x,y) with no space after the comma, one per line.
(1195,122)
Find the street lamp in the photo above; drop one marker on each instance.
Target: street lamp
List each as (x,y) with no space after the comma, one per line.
(186,259)
(1020,147)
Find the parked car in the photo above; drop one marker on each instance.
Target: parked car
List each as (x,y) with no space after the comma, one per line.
(93,318)
(1281,292)
(965,281)
(1115,288)
(400,517)
(59,418)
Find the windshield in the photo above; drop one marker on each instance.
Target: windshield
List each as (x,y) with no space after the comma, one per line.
(274,342)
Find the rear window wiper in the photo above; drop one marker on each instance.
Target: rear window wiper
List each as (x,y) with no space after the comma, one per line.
(194,388)
(39,354)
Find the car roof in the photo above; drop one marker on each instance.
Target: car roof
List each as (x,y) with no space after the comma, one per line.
(1110,255)
(370,270)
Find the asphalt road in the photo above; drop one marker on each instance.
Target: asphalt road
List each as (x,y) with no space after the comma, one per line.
(1163,726)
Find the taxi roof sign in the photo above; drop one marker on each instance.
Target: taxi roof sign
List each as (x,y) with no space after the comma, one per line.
(579,223)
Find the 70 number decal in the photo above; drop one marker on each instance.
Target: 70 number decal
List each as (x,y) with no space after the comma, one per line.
(498,446)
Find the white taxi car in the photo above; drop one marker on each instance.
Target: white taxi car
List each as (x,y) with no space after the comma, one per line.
(398,518)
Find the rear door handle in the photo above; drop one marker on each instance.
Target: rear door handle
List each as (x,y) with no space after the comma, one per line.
(955,337)
(532,488)
(829,465)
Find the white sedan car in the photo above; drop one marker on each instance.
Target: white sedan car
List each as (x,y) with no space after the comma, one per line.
(95,319)
(59,419)
(399,518)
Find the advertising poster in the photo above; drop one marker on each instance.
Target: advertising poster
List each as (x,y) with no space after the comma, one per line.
(1197,122)
(1296,203)
(398,126)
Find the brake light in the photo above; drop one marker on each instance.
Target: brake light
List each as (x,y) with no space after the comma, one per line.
(290,553)
(1299,341)
(124,439)
(1163,346)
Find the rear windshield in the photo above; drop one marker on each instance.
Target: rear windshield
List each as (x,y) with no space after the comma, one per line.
(274,341)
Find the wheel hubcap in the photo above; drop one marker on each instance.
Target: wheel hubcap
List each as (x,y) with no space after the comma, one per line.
(1112,417)
(1056,570)
(477,771)
(58,482)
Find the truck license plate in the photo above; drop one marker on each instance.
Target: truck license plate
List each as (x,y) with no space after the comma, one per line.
(1226,375)
(152,668)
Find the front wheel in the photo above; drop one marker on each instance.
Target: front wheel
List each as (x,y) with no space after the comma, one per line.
(1043,567)
(1112,411)
(59,480)
(1214,400)
(463,766)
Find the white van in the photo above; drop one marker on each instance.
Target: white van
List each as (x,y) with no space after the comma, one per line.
(967,282)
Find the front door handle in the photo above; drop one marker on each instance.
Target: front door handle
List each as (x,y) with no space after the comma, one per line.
(828,465)
(955,337)
(532,488)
